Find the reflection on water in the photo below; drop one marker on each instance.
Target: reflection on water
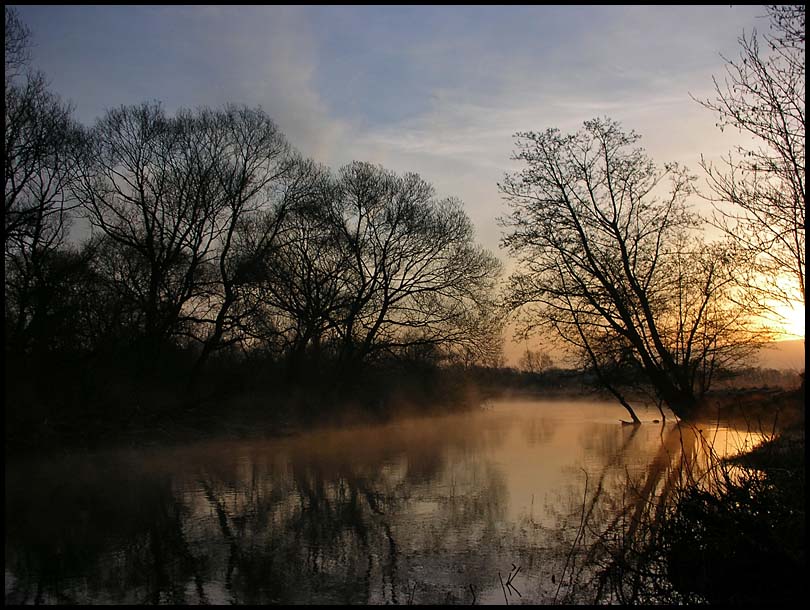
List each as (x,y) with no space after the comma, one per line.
(431,510)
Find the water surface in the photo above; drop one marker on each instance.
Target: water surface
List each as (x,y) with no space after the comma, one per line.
(423,510)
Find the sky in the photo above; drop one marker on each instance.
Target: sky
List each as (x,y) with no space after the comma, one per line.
(437,90)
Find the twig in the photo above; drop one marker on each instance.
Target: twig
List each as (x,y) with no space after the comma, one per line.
(504,588)
(576,539)
(512,576)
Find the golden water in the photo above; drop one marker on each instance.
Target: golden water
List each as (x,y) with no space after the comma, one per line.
(423,510)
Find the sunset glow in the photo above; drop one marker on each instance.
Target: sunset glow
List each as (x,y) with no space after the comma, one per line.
(434,305)
(792,321)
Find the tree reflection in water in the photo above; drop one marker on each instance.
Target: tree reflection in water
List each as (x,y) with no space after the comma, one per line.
(611,536)
(299,521)
(419,511)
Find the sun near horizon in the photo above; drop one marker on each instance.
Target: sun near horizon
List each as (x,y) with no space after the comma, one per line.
(792,322)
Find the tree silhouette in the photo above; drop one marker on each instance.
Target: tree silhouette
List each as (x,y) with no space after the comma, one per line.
(168,193)
(42,144)
(614,270)
(759,190)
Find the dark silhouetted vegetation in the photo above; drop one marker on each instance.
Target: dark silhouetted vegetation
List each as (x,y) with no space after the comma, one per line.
(220,268)
(743,542)
(618,274)
(218,284)
(694,526)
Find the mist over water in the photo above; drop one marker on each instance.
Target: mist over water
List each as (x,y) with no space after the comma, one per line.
(421,510)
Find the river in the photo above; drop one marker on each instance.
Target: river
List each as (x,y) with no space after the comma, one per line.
(482,506)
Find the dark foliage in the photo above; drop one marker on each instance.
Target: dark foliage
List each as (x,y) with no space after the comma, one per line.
(744,542)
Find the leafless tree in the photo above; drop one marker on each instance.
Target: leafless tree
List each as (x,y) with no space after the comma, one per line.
(291,267)
(535,361)
(17,42)
(42,141)
(415,274)
(759,190)
(169,194)
(257,176)
(372,263)
(610,262)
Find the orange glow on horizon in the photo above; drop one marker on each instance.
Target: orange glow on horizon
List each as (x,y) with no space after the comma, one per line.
(792,321)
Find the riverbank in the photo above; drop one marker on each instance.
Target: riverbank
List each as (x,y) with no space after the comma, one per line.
(75,416)
(764,409)
(744,541)
(731,531)
(87,412)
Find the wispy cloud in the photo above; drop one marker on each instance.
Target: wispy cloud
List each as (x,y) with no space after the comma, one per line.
(436,90)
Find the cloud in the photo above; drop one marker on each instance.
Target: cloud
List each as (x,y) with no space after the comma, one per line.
(267,56)
(436,90)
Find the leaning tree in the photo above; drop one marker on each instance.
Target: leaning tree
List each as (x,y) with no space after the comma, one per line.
(611,261)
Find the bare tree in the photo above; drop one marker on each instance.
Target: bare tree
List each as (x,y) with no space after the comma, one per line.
(415,274)
(609,261)
(42,142)
(535,361)
(41,147)
(759,190)
(257,176)
(169,193)
(151,193)
(290,269)
(17,42)
(371,263)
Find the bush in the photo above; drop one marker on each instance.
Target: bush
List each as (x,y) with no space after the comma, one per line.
(742,542)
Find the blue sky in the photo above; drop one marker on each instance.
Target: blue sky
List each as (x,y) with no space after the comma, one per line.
(437,90)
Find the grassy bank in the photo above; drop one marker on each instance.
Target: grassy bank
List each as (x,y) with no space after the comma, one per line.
(742,542)
(732,534)
(79,408)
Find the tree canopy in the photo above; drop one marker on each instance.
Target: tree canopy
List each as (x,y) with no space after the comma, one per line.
(611,261)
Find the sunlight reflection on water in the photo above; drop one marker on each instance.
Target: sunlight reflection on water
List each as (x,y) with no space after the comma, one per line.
(421,510)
